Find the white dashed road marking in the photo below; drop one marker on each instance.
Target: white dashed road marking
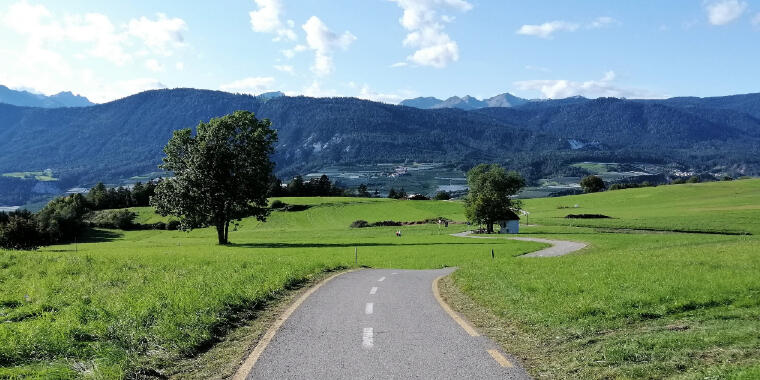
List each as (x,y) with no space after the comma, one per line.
(369,308)
(367,338)
(373,290)
(381,279)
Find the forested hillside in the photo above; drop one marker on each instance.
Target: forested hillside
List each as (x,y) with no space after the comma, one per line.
(124,138)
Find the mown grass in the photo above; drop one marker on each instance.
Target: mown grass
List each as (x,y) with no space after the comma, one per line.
(136,301)
(631,305)
(636,305)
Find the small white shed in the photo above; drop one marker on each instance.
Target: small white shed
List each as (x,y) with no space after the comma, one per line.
(510,225)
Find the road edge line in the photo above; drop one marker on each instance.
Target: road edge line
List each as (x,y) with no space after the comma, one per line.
(245,369)
(454,315)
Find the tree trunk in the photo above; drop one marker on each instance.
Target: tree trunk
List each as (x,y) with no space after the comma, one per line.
(226,232)
(220,233)
(489,228)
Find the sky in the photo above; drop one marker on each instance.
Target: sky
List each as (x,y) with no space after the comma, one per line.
(383,50)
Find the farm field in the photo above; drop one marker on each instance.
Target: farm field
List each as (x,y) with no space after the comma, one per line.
(634,304)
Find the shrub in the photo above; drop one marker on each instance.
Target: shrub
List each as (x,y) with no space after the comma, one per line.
(442,196)
(173,225)
(592,184)
(586,216)
(122,219)
(19,231)
(385,223)
(159,226)
(62,218)
(694,179)
(360,224)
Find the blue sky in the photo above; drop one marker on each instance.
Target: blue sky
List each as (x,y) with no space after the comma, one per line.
(384,50)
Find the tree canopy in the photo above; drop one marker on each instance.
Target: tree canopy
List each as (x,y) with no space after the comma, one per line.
(592,184)
(490,194)
(221,174)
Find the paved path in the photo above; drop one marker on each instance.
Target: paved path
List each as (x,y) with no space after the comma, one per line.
(558,248)
(380,324)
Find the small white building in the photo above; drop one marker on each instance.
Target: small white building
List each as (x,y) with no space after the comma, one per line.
(510,225)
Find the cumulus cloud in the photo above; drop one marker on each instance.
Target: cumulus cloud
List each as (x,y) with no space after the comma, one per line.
(724,11)
(324,42)
(546,29)
(267,19)
(426,29)
(153,65)
(250,85)
(367,93)
(605,87)
(56,50)
(162,35)
(290,53)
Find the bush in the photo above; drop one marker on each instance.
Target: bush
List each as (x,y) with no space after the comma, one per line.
(19,231)
(385,223)
(418,197)
(587,216)
(592,184)
(442,196)
(158,226)
(120,219)
(694,179)
(173,225)
(360,224)
(62,219)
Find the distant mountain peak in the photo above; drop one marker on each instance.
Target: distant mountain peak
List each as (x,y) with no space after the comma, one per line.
(30,99)
(466,102)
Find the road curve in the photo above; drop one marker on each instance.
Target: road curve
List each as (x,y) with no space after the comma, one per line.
(558,248)
(382,323)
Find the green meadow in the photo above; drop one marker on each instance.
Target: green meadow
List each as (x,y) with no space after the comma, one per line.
(641,301)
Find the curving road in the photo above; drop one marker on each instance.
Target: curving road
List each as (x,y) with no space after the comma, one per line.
(558,248)
(379,324)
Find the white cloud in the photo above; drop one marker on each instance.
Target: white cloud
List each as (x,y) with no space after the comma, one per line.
(285,69)
(56,50)
(290,53)
(323,42)
(315,90)
(426,31)
(161,35)
(399,64)
(266,19)
(605,87)
(723,12)
(179,66)
(367,93)
(602,22)
(546,29)
(153,65)
(250,85)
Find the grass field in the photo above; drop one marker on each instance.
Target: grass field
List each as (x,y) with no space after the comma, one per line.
(44,176)
(632,305)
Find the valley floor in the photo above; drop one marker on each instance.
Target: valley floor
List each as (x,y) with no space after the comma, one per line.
(634,304)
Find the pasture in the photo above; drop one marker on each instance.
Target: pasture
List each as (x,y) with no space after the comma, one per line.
(639,302)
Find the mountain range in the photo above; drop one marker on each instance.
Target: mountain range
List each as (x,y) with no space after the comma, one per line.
(124,138)
(465,103)
(29,99)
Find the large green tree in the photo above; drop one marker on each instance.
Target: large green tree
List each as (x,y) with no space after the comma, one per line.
(221,174)
(490,194)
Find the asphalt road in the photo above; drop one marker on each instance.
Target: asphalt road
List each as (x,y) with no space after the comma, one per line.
(558,248)
(373,324)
